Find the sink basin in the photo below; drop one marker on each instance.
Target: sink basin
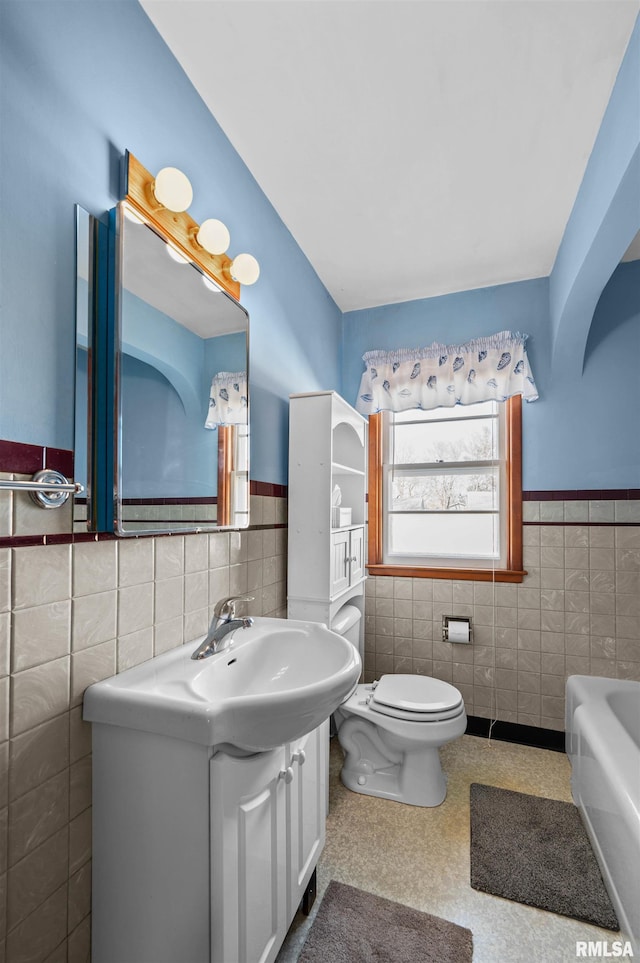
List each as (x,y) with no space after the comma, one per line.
(279,680)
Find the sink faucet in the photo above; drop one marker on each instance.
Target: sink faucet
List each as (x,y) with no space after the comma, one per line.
(222,625)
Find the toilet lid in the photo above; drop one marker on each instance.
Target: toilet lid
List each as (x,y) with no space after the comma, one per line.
(416,697)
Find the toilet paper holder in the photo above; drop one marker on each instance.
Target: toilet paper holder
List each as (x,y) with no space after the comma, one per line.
(456,628)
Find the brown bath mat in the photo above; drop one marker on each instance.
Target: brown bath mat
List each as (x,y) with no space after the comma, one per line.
(357,927)
(536,851)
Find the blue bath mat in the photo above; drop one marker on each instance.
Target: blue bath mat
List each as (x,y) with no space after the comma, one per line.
(536,851)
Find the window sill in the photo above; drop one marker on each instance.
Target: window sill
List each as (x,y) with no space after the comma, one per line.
(456,574)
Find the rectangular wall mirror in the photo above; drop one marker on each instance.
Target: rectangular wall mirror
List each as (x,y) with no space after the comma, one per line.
(168,389)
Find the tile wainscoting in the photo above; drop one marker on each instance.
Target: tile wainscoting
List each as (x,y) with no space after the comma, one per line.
(576,612)
(71,614)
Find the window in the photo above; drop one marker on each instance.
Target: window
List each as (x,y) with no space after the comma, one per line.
(445,498)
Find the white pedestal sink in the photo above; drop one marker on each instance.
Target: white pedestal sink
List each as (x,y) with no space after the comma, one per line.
(209,796)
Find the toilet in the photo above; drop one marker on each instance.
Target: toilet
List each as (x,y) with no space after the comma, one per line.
(391,731)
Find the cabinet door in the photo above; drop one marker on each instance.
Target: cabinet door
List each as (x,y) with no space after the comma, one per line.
(306,810)
(339,562)
(248,864)
(356,555)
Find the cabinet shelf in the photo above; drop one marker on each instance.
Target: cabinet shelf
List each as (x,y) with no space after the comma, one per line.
(338,469)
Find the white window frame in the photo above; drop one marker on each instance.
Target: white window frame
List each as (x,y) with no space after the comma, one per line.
(457,414)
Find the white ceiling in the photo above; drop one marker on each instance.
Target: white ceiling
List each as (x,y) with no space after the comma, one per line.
(412,147)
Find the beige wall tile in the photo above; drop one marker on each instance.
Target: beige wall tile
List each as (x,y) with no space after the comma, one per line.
(91,665)
(576,536)
(169,556)
(5,642)
(79,735)
(169,599)
(93,620)
(4,774)
(79,896)
(37,755)
(39,934)
(269,542)
(6,507)
(196,624)
(41,574)
(219,586)
(37,815)
(134,649)
(80,786)
(4,845)
(4,708)
(238,578)
(135,561)
(254,545)
(30,519)
(37,877)
(5,579)
(218,549)
(79,943)
(238,542)
(169,635)
(135,608)
(39,694)
(94,567)
(41,634)
(79,841)
(196,553)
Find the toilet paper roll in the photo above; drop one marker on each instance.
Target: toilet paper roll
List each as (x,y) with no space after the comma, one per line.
(458,631)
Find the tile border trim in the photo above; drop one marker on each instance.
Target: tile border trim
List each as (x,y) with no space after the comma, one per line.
(553,739)
(583,494)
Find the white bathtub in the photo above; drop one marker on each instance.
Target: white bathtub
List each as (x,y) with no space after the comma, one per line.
(603,745)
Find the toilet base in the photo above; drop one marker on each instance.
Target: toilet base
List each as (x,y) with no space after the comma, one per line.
(417,781)
(422,784)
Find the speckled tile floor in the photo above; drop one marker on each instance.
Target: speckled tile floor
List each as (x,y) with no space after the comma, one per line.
(420,857)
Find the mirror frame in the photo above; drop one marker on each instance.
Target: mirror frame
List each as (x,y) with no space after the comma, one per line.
(105,437)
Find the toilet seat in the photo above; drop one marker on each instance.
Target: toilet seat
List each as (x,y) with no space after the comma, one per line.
(416,698)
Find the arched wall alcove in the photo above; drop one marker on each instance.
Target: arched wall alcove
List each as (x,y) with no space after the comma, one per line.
(604,220)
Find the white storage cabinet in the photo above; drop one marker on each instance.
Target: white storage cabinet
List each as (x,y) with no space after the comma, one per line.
(326,565)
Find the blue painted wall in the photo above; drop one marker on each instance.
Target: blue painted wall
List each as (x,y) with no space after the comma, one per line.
(582,432)
(604,219)
(81,82)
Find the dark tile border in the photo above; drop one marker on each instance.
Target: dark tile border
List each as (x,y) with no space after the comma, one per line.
(267,488)
(583,495)
(21,459)
(514,732)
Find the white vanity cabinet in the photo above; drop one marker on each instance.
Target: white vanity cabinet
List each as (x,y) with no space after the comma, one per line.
(327,448)
(201,857)
(267,830)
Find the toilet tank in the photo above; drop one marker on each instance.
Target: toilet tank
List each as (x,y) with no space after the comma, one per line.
(346,622)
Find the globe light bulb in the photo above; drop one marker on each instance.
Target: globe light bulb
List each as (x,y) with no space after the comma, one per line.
(173,189)
(211,285)
(176,255)
(131,215)
(213,236)
(245,269)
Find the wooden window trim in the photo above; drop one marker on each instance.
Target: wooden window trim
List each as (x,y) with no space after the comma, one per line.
(513,572)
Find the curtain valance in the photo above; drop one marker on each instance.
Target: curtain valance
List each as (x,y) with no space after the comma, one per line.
(228,399)
(444,375)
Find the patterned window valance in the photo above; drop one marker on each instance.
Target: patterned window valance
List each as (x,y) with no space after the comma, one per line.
(444,375)
(228,399)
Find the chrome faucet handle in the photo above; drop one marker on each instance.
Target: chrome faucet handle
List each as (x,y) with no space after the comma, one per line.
(225,609)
